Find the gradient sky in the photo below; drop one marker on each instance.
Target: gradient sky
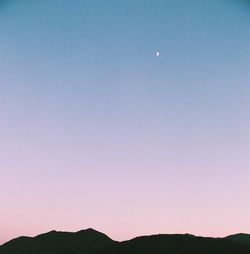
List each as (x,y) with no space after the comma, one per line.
(96,131)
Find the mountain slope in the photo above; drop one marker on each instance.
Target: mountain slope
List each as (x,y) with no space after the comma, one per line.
(93,242)
(243,238)
(84,241)
(176,244)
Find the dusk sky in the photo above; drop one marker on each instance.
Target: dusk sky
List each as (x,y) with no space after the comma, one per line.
(98,131)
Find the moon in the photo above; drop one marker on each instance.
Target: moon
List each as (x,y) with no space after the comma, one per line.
(157,53)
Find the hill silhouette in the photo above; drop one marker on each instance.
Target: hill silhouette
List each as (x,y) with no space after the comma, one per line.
(244,238)
(90,241)
(85,241)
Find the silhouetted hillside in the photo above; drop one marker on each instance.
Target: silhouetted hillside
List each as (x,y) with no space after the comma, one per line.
(93,242)
(244,238)
(177,244)
(84,241)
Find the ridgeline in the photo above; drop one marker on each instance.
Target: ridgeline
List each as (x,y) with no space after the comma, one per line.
(90,241)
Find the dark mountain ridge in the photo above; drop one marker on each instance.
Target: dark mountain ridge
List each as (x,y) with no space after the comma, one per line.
(57,242)
(90,241)
(244,238)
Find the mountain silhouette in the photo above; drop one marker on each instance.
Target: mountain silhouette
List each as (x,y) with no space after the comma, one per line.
(244,238)
(85,241)
(90,241)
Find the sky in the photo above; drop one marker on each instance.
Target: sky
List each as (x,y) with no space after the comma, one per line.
(98,131)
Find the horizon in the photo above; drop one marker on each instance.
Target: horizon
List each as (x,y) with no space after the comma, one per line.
(123,240)
(131,117)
